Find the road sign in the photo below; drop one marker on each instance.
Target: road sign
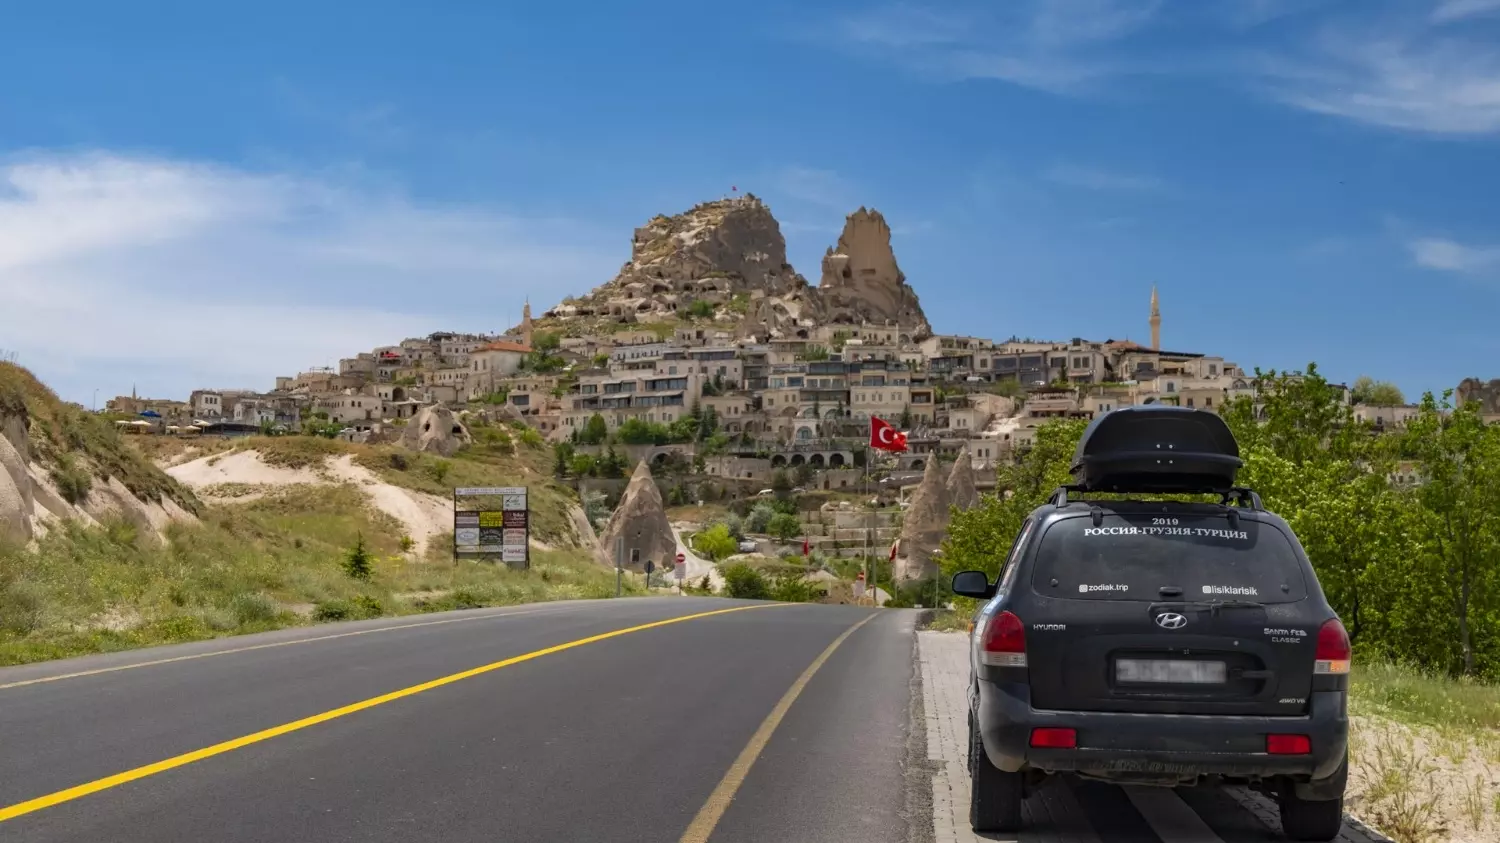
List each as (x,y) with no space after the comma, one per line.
(680,572)
(681,558)
(650,567)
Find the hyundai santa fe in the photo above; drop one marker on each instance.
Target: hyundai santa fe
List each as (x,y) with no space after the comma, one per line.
(1157,642)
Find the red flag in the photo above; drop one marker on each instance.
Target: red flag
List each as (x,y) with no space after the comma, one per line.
(806,548)
(894,545)
(885,437)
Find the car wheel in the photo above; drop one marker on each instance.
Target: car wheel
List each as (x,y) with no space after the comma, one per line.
(1305,819)
(995,796)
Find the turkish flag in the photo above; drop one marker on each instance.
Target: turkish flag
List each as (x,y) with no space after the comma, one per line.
(806,548)
(885,437)
(895,544)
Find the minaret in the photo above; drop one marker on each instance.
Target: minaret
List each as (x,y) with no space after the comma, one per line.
(526,324)
(1155,321)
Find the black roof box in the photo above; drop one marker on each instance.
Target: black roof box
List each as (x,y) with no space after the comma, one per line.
(1156,448)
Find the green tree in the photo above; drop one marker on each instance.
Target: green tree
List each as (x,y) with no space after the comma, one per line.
(783,526)
(583,465)
(803,474)
(595,431)
(1367,390)
(358,563)
(639,432)
(1458,459)
(562,454)
(781,484)
(716,542)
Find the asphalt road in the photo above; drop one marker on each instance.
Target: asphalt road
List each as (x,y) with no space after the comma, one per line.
(668,720)
(627,738)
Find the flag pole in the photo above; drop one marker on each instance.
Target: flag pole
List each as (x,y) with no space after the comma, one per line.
(872,571)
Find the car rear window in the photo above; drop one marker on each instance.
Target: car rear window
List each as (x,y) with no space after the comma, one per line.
(1131,557)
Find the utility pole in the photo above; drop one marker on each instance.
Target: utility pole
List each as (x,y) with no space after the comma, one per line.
(619,566)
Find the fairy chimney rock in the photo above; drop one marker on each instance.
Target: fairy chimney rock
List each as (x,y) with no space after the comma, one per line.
(435,430)
(641,520)
(861,281)
(925,524)
(961,490)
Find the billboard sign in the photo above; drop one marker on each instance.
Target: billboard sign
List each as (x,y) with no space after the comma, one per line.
(492,521)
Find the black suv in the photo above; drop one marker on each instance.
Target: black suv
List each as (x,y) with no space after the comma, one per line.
(1158,643)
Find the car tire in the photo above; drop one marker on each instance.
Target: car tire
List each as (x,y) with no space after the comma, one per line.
(995,796)
(1309,820)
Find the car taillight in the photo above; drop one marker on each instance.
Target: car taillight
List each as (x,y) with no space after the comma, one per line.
(1004,642)
(1288,745)
(1333,649)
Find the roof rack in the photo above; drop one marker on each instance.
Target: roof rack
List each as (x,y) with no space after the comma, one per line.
(1240,496)
(1159,449)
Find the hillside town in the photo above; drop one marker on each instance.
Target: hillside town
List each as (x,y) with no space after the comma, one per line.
(708,321)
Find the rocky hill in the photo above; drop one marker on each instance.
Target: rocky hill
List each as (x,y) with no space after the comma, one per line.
(61,463)
(725,262)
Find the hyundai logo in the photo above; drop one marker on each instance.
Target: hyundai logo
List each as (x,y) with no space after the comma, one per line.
(1171,620)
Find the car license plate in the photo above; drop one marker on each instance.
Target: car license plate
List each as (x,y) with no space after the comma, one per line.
(1170,671)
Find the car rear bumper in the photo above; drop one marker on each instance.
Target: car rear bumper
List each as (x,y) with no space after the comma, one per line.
(1149,747)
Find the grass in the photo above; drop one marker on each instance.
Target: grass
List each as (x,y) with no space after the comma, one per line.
(79,446)
(273,562)
(947,620)
(497,459)
(1414,696)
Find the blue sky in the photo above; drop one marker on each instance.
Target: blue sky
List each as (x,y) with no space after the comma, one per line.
(193,195)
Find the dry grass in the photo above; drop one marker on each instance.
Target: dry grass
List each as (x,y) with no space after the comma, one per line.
(1425,755)
(70,440)
(270,562)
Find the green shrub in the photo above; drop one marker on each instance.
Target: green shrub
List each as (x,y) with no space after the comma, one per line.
(759,518)
(785,527)
(249,609)
(716,542)
(743,581)
(73,481)
(790,585)
(327,611)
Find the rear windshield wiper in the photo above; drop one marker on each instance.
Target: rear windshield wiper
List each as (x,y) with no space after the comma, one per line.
(1213,606)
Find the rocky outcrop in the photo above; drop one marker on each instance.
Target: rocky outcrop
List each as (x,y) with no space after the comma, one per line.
(862,283)
(713,253)
(641,520)
(1486,394)
(725,261)
(961,491)
(924,525)
(16,499)
(33,461)
(435,430)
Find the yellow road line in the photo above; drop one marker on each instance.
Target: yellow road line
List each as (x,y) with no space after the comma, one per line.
(246,649)
(78,791)
(708,817)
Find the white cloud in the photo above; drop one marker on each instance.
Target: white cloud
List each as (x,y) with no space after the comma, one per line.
(1050,45)
(1091,178)
(1451,256)
(116,269)
(1416,82)
(1453,10)
(1068,22)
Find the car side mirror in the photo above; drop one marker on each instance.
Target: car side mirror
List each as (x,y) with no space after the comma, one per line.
(973,584)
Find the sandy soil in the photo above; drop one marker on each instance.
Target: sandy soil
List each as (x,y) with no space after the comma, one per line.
(241,467)
(1422,784)
(226,478)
